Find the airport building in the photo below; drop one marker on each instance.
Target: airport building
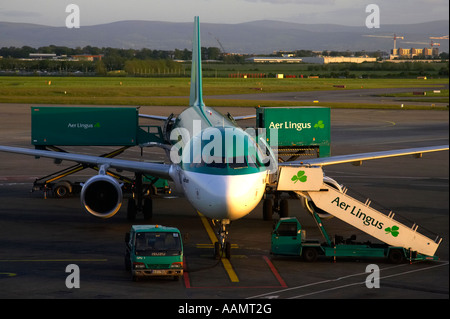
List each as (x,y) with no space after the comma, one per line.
(414,52)
(274,60)
(87,57)
(42,56)
(338,59)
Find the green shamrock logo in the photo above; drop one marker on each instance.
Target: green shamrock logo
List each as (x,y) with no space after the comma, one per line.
(394,231)
(299,177)
(319,125)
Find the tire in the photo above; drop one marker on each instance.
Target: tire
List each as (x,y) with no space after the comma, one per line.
(62,189)
(148,209)
(217,250)
(228,250)
(131,209)
(309,254)
(127,263)
(396,256)
(284,208)
(267,209)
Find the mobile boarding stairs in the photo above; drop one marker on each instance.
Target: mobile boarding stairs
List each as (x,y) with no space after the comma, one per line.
(308,182)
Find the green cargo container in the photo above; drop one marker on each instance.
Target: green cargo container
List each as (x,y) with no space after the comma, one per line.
(78,126)
(297,126)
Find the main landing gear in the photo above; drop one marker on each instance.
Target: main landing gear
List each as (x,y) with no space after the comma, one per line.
(137,203)
(275,205)
(222,247)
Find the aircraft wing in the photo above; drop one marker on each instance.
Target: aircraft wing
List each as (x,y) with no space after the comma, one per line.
(154,169)
(357,159)
(155,117)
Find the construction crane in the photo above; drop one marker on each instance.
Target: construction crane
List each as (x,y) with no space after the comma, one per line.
(220,44)
(395,37)
(445,37)
(431,43)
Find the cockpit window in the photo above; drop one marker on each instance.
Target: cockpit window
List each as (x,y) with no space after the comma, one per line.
(226,150)
(216,162)
(237,162)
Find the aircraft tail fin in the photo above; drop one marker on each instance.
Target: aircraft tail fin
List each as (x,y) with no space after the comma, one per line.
(196,95)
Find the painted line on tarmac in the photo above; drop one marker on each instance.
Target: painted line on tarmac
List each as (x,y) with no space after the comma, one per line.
(275,272)
(276,294)
(364,282)
(226,263)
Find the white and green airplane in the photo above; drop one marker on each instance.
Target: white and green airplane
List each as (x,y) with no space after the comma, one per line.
(222,169)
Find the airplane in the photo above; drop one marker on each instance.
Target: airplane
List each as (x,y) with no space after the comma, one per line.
(222,181)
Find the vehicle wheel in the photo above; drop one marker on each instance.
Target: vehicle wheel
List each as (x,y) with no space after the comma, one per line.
(396,256)
(131,209)
(284,208)
(127,263)
(62,189)
(217,250)
(267,209)
(148,209)
(309,254)
(228,250)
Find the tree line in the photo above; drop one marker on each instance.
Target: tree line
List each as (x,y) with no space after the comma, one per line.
(147,62)
(133,61)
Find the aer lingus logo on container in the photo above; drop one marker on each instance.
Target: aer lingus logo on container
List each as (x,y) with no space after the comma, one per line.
(300,176)
(319,125)
(84,126)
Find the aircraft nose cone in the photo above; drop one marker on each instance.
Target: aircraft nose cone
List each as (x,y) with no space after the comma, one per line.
(229,196)
(236,196)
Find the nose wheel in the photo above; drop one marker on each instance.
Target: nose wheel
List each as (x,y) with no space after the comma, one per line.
(222,247)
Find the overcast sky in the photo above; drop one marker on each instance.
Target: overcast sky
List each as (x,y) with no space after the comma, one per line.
(344,12)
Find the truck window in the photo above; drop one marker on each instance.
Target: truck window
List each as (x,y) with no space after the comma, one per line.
(287,229)
(158,244)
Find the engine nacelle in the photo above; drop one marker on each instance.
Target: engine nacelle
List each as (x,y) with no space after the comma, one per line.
(101,196)
(313,208)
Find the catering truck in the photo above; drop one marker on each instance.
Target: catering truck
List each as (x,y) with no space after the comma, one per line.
(153,250)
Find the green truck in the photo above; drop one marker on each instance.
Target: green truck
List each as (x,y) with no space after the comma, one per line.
(153,250)
(289,239)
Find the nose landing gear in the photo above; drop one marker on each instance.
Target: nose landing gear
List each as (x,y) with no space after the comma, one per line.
(222,247)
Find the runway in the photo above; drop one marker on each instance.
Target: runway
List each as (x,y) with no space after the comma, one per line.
(363,96)
(40,237)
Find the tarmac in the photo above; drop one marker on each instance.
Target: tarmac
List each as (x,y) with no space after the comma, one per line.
(40,237)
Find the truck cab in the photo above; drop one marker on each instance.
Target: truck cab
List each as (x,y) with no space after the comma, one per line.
(288,239)
(153,250)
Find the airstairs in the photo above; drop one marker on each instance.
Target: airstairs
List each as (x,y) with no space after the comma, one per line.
(360,215)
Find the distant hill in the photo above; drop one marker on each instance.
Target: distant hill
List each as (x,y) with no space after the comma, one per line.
(251,37)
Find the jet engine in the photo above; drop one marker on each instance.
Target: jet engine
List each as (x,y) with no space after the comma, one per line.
(102,196)
(311,207)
